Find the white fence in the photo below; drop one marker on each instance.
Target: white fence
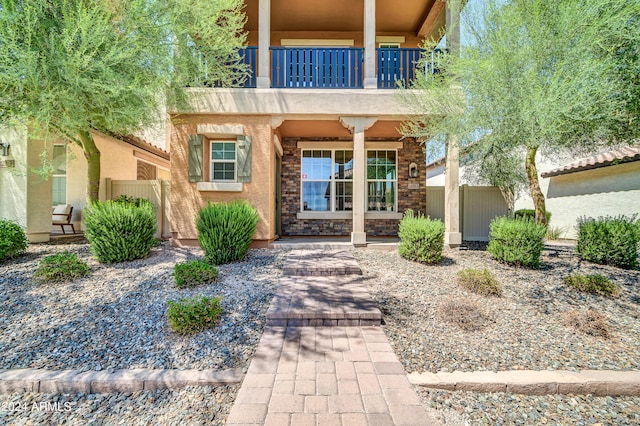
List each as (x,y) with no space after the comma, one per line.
(478,206)
(156,191)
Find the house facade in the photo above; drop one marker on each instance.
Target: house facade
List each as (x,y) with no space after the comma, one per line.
(311,139)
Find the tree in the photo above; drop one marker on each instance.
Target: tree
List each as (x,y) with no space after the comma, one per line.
(70,67)
(538,76)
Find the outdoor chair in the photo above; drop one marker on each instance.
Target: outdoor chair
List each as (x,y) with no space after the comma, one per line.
(61,216)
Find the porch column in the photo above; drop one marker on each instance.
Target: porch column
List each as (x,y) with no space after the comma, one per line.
(452,235)
(264,42)
(357,125)
(370,78)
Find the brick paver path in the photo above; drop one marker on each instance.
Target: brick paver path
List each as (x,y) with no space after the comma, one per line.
(329,375)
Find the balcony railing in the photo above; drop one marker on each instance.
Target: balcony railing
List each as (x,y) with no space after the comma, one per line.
(329,67)
(397,67)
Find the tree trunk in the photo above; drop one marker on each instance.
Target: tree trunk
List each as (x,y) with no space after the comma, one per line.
(534,186)
(92,154)
(508,194)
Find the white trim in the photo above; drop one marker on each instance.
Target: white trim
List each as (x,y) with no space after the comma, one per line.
(220,186)
(234,161)
(390,39)
(278,145)
(316,42)
(367,181)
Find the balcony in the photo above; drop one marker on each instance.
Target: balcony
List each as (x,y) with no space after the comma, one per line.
(338,68)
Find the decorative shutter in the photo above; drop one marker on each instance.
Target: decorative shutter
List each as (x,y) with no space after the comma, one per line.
(243,150)
(195,158)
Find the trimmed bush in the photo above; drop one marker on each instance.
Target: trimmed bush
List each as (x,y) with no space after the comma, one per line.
(194,272)
(516,241)
(596,284)
(609,241)
(479,281)
(119,231)
(225,230)
(421,239)
(61,267)
(193,314)
(13,240)
(530,214)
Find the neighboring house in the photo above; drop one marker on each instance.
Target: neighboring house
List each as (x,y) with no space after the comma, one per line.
(311,140)
(604,184)
(600,185)
(27,196)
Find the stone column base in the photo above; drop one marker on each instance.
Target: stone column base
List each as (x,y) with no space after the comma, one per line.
(370,83)
(452,239)
(359,239)
(263,82)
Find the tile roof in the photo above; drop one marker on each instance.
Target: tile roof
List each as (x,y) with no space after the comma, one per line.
(622,155)
(142,144)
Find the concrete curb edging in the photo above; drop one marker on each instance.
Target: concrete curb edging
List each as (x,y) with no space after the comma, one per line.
(75,381)
(531,382)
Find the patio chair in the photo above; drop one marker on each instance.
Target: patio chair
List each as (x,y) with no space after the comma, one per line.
(61,216)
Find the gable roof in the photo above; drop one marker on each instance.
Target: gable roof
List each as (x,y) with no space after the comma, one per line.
(622,155)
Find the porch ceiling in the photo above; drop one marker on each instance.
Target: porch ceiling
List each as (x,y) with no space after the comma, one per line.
(333,129)
(339,15)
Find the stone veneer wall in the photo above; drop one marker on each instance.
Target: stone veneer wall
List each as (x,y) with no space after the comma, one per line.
(407,198)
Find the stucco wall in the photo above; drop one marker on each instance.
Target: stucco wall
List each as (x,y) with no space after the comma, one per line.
(186,200)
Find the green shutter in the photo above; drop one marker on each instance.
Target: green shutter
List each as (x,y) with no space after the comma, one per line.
(195,158)
(244,158)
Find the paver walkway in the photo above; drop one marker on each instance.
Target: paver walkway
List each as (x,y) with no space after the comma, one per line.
(330,374)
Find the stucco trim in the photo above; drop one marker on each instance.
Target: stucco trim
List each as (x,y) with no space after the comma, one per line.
(220,131)
(325,215)
(220,186)
(348,145)
(383,215)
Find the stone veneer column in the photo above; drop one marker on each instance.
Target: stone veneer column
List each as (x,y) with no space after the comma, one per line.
(452,235)
(357,125)
(264,42)
(370,78)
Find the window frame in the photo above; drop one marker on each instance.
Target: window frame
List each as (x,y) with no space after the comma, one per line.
(367,181)
(225,161)
(332,181)
(56,176)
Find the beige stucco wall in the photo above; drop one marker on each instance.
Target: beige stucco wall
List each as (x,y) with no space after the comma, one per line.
(186,200)
(25,196)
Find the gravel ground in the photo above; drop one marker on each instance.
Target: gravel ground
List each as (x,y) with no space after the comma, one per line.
(188,406)
(115,318)
(510,409)
(524,329)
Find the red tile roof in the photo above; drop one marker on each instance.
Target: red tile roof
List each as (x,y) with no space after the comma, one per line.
(622,155)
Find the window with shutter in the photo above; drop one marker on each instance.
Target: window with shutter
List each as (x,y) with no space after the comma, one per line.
(244,158)
(195,158)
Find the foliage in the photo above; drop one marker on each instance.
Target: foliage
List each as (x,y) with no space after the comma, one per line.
(72,67)
(137,202)
(590,322)
(480,281)
(596,284)
(61,267)
(609,240)
(530,214)
(517,242)
(225,230)
(118,232)
(465,313)
(555,232)
(537,77)
(194,272)
(190,315)
(13,240)
(421,239)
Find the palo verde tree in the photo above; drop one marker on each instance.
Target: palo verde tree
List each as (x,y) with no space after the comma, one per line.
(72,67)
(538,76)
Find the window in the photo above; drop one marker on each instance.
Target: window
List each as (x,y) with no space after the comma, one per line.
(59,175)
(327,180)
(381,181)
(223,161)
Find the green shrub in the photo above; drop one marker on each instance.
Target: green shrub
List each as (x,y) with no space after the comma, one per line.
(137,202)
(421,239)
(193,314)
(225,230)
(555,233)
(609,241)
(530,214)
(479,281)
(119,231)
(194,272)
(596,283)
(516,241)
(13,240)
(61,267)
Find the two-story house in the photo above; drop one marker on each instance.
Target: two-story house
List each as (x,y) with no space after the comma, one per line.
(311,139)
